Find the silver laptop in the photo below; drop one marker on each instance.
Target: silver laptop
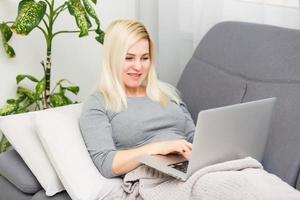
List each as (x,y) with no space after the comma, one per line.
(221,134)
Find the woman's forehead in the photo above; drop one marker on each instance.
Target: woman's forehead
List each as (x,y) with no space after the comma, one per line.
(140,47)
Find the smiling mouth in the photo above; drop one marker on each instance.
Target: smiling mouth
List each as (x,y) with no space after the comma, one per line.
(134,75)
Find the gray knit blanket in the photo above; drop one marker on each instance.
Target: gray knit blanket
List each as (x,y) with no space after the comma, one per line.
(242,179)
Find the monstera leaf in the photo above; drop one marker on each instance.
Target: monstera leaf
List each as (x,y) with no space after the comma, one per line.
(90,10)
(30,14)
(82,20)
(21,77)
(4,145)
(6,34)
(26,92)
(8,109)
(40,88)
(58,99)
(9,50)
(101,34)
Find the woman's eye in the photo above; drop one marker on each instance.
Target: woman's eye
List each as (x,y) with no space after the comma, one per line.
(128,58)
(145,58)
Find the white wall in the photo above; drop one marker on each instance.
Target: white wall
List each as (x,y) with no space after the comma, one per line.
(147,12)
(170,23)
(175,28)
(78,60)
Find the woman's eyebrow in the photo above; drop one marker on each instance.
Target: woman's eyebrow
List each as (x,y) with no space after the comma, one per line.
(132,54)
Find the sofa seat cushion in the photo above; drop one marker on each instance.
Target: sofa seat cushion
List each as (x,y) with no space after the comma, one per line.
(282,151)
(13,168)
(10,192)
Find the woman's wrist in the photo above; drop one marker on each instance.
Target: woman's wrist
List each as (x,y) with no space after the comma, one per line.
(150,149)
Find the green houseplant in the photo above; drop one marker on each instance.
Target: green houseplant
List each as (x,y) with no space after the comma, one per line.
(42,15)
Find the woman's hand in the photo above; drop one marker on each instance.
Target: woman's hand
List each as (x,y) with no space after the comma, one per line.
(125,160)
(182,147)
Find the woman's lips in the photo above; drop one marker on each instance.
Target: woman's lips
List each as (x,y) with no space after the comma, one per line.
(134,75)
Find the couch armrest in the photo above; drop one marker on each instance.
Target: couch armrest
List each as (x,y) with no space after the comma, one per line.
(13,168)
(9,192)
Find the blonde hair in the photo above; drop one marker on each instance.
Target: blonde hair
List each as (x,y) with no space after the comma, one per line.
(119,37)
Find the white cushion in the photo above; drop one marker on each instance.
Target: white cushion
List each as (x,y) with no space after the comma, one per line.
(61,137)
(19,130)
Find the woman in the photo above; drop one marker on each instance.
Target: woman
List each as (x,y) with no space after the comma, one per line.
(132,113)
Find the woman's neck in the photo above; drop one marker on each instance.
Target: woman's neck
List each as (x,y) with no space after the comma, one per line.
(136,92)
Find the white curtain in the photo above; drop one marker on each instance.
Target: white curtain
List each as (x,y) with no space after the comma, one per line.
(175,37)
(274,12)
(179,25)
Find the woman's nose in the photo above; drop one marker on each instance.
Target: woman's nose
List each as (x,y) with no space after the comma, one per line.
(138,64)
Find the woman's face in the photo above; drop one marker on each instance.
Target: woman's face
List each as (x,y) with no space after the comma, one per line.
(136,65)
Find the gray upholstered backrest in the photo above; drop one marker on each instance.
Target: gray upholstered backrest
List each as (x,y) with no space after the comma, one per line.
(238,62)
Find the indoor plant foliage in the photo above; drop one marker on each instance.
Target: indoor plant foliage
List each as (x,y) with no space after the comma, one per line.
(43,15)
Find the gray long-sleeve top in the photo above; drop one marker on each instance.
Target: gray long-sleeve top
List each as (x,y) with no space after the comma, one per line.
(143,122)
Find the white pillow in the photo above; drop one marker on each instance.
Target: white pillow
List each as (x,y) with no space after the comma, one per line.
(61,137)
(19,130)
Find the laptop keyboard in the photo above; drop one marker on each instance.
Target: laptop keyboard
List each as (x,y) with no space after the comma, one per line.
(181,166)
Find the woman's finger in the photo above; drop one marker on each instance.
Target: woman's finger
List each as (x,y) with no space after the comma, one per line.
(189,145)
(186,154)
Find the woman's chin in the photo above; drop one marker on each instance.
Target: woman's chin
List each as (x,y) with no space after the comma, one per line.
(134,84)
(133,87)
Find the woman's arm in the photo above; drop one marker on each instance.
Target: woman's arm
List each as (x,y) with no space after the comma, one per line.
(126,160)
(97,134)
